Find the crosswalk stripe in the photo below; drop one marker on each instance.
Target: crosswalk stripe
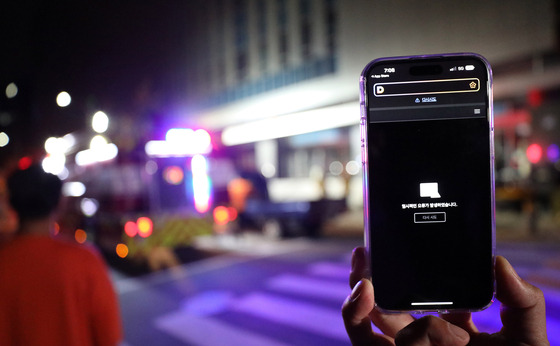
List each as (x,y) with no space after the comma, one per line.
(304,285)
(330,270)
(305,316)
(205,331)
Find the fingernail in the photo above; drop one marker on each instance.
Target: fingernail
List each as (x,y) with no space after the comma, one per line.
(356,291)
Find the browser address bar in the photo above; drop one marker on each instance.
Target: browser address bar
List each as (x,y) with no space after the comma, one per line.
(441,86)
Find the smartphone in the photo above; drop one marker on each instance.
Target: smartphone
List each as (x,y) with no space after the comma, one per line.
(427,150)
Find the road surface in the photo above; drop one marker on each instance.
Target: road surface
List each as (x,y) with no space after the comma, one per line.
(282,292)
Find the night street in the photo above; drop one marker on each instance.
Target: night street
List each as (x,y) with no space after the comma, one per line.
(225,157)
(283,292)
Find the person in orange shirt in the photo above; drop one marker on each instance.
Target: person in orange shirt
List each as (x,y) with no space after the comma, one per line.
(52,292)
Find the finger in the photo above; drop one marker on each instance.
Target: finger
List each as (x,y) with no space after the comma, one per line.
(390,324)
(355,313)
(523,307)
(461,319)
(430,330)
(359,266)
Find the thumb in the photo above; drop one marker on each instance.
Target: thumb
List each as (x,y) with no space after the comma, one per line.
(523,307)
(355,313)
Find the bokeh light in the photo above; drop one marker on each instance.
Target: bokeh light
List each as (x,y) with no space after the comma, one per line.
(268,170)
(534,153)
(352,167)
(201,183)
(202,141)
(80,235)
(553,152)
(89,206)
(131,228)
(24,162)
(179,136)
(54,164)
(180,142)
(100,122)
(99,153)
(4,139)
(145,226)
(52,145)
(221,215)
(98,142)
(11,90)
(122,250)
(60,145)
(151,167)
(173,175)
(336,168)
(63,99)
(73,189)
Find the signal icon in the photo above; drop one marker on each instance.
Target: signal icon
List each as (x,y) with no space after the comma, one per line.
(453,69)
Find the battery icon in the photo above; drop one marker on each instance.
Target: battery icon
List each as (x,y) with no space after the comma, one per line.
(469,67)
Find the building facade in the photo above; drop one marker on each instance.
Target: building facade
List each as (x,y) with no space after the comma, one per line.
(278,79)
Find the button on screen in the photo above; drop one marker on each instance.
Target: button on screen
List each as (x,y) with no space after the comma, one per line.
(429,217)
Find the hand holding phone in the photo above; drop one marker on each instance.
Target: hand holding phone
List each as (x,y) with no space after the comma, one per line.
(523,315)
(427,149)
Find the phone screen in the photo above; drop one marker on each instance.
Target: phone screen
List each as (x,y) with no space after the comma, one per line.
(428,158)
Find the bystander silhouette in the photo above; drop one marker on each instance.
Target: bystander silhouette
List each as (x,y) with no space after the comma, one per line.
(52,292)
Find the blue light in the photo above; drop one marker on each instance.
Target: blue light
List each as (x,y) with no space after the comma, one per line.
(553,152)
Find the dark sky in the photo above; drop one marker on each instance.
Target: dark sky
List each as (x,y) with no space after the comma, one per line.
(101,52)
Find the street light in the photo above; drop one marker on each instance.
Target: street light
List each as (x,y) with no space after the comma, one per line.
(63,99)
(4,139)
(11,90)
(100,122)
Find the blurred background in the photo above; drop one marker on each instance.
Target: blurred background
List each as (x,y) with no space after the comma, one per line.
(220,140)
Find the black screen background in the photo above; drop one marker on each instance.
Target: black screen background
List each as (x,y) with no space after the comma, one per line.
(417,262)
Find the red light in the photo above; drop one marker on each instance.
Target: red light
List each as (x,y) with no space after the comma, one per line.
(131,229)
(145,226)
(24,163)
(534,153)
(221,215)
(535,97)
(232,213)
(80,235)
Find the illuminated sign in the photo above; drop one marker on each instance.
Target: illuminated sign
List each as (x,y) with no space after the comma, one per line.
(180,143)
